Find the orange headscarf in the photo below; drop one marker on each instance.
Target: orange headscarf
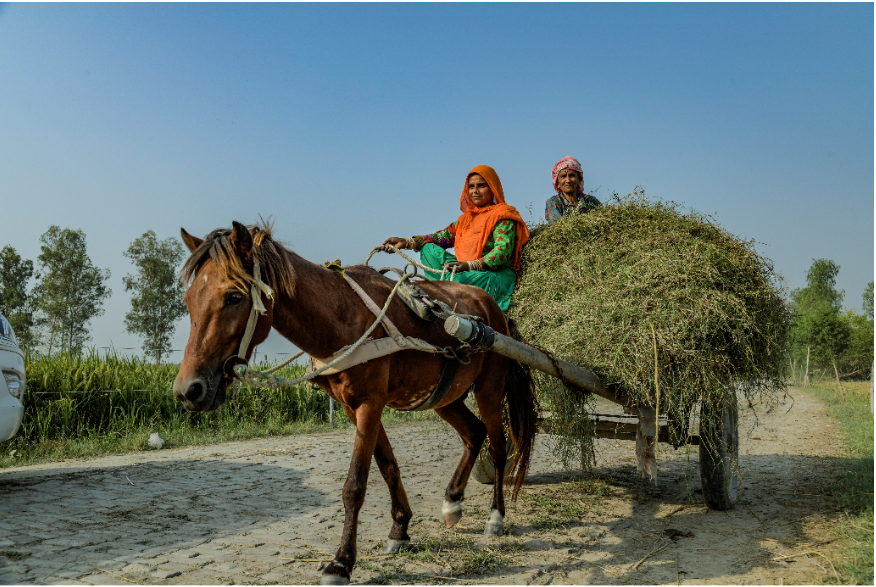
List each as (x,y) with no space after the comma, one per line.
(476,225)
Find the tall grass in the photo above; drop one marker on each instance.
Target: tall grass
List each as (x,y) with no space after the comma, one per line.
(853,488)
(89,405)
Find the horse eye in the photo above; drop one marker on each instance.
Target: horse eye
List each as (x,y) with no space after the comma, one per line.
(233,299)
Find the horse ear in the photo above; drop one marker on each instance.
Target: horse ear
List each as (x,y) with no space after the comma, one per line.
(241,240)
(191,242)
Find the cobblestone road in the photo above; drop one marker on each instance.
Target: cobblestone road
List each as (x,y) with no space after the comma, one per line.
(248,512)
(236,512)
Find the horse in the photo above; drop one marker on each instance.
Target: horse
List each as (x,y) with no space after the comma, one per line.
(317,310)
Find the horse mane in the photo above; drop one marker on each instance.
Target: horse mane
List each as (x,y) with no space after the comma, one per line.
(276,270)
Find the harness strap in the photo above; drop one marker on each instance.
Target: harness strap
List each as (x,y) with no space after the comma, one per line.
(258,308)
(370,350)
(375,309)
(363,350)
(374,349)
(448,374)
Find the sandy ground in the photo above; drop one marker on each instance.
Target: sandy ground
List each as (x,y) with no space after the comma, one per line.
(267,511)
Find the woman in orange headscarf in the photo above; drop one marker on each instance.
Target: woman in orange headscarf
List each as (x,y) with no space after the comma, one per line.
(487,238)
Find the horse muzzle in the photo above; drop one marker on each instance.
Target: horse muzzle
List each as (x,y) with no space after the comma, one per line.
(200,394)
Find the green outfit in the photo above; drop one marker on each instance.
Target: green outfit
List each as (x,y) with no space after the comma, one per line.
(499,278)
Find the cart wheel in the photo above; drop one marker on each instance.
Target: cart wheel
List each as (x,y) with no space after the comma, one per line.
(484,471)
(719,453)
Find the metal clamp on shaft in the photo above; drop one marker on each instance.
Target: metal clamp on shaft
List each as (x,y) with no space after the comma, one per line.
(474,333)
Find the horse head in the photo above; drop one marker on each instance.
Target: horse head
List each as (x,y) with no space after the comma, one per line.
(220,299)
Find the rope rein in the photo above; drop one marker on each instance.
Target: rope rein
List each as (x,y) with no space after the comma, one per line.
(409,260)
(284,363)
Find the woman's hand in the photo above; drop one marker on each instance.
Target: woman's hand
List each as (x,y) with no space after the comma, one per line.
(399,243)
(459,267)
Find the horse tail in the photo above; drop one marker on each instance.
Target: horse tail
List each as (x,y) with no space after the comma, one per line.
(522,416)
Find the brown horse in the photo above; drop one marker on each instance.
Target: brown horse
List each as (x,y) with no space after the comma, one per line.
(317,311)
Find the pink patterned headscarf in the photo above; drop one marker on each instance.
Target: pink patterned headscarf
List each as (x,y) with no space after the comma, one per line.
(568,163)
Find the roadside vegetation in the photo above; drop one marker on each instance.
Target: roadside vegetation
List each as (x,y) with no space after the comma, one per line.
(852,553)
(826,342)
(83,406)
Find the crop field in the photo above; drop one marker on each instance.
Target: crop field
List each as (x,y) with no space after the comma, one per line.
(90,405)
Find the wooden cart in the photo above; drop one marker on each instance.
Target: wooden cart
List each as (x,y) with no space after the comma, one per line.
(718,437)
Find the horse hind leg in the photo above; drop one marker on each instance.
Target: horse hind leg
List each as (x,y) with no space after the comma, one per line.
(472,432)
(401,510)
(489,392)
(495,521)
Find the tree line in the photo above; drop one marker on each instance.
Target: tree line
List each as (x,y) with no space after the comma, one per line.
(68,291)
(823,337)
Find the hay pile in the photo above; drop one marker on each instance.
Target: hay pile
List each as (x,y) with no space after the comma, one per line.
(598,289)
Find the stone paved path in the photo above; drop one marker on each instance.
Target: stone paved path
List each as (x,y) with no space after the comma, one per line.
(247,512)
(236,512)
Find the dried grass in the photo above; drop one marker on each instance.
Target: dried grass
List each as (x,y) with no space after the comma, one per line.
(595,289)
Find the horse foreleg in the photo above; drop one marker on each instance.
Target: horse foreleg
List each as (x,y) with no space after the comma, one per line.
(472,431)
(367,420)
(401,510)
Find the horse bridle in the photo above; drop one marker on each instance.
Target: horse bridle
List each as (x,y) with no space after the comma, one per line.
(258,308)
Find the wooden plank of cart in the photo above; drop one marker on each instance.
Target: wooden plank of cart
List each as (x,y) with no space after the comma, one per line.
(718,437)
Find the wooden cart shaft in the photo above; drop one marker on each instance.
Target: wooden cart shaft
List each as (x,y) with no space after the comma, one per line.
(481,335)
(604,426)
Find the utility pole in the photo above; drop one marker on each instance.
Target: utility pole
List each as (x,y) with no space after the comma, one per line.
(806,379)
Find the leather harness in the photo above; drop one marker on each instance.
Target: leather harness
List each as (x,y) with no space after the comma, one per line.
(417,300)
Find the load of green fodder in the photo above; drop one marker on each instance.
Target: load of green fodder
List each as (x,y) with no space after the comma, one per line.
(602,289)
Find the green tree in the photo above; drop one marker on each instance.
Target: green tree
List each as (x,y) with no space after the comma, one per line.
(826,333)
(16,302)
(858,358)
(818,325)
(72,289)
(157,302)
(821,286)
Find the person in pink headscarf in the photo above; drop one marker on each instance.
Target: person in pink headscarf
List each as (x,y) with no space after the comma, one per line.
(570,199)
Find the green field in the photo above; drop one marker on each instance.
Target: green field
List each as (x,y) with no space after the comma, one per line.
(80,407)
(852,553)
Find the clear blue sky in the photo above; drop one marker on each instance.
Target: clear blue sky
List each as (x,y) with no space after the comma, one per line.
(350,123)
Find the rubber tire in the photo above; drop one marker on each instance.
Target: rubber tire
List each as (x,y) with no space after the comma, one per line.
(484,471)
(719,454)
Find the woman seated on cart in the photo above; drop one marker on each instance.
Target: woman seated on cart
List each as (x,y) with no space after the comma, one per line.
(487,238)
(570,198)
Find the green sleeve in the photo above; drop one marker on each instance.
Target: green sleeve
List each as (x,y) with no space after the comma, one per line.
(504,239)
(443,238)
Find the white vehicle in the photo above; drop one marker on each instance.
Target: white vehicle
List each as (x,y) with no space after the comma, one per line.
(12,383)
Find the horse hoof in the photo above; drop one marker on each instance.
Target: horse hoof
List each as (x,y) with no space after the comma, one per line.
(393,546)
(494,524)
(329,578)
(452,512)
(334,580)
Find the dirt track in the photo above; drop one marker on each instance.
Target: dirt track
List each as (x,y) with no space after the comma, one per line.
(249,512)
